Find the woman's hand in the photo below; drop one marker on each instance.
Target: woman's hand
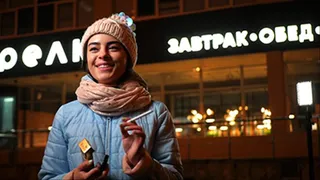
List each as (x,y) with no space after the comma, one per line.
(85,171)
(133,142)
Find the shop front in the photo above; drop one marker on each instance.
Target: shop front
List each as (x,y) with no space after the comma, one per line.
(217,66)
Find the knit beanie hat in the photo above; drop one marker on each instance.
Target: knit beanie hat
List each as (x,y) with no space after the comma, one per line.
(121,27)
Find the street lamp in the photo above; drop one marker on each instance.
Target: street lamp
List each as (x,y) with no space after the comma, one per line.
(305,100)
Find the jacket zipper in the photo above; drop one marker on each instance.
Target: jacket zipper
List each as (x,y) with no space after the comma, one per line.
(109,139)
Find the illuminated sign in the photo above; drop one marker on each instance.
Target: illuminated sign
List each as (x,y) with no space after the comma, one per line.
(33,53)
(281,34)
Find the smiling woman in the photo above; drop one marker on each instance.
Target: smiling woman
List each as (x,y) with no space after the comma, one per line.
(107,98)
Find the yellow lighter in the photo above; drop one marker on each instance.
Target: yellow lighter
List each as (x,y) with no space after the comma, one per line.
(86,149)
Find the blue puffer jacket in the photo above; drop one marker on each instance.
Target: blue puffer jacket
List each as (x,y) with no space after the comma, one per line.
(75,121)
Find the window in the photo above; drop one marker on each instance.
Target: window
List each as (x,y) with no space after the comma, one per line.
(169,6)
(65,15)
(46,1)
(4,4)
(45,18)
(240,2)
(19,3)
(183,103)
(25,21)
(192,5)
(125,6)
(7,24)
(85,13)
(7,116)
(218,3)
(146,8)
(255,101)
(7,112)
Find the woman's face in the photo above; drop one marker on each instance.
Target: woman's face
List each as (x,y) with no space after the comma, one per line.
(106,58)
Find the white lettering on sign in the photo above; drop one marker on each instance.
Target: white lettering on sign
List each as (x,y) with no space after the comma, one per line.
(56,49)
(279,34)
(32,55)
(306,33)
(6,65)
(76,51)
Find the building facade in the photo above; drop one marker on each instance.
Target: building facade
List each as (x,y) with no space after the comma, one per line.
(226,68)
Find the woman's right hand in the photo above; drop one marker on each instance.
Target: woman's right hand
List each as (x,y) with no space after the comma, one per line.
(85,171)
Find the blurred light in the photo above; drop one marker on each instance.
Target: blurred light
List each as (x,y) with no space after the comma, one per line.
(240,108)
(198,69)
(195,120)
(198,116)
(209,112)
(224,128)
(10,99)
(266,121)
(246,108)
(178,130)
(314,127)
(49,128)
(198,129)
(260,126)
(232,123)
(291,116)
(229,118)
(210,120)
(262,110)
(194,112)
(39,96)
(268,126)
(212,128)
(304,93)
(195,125)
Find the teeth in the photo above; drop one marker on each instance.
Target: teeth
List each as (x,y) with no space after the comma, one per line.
(102,66)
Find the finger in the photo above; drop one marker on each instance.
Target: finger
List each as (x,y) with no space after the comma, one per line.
(85,165)
(125,119)
(94,172)
(133,127)
(123,131)
(104,174)
(129,123)
(139,133)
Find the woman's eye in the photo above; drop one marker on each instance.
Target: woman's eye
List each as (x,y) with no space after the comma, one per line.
(93,49)
(113,48)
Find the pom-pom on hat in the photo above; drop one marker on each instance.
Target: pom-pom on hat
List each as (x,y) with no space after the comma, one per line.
(121,27)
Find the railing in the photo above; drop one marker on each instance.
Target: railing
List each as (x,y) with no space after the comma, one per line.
(219,130)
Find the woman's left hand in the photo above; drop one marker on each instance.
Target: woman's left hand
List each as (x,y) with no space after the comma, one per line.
(133,142)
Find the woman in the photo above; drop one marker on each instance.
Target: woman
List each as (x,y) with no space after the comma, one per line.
(108,97)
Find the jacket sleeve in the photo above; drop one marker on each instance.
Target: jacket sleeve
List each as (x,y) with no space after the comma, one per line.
(54,162)
(166,153)
(164,162)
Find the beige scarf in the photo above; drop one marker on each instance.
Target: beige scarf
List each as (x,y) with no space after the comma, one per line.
(110,101)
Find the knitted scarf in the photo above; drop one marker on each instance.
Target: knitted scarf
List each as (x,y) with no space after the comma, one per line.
(111,101)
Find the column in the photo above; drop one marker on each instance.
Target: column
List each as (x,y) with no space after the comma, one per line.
(276,72)
(201,89)
(162,88)
(64,93)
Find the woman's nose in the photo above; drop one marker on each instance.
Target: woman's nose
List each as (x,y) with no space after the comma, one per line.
(104,54)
